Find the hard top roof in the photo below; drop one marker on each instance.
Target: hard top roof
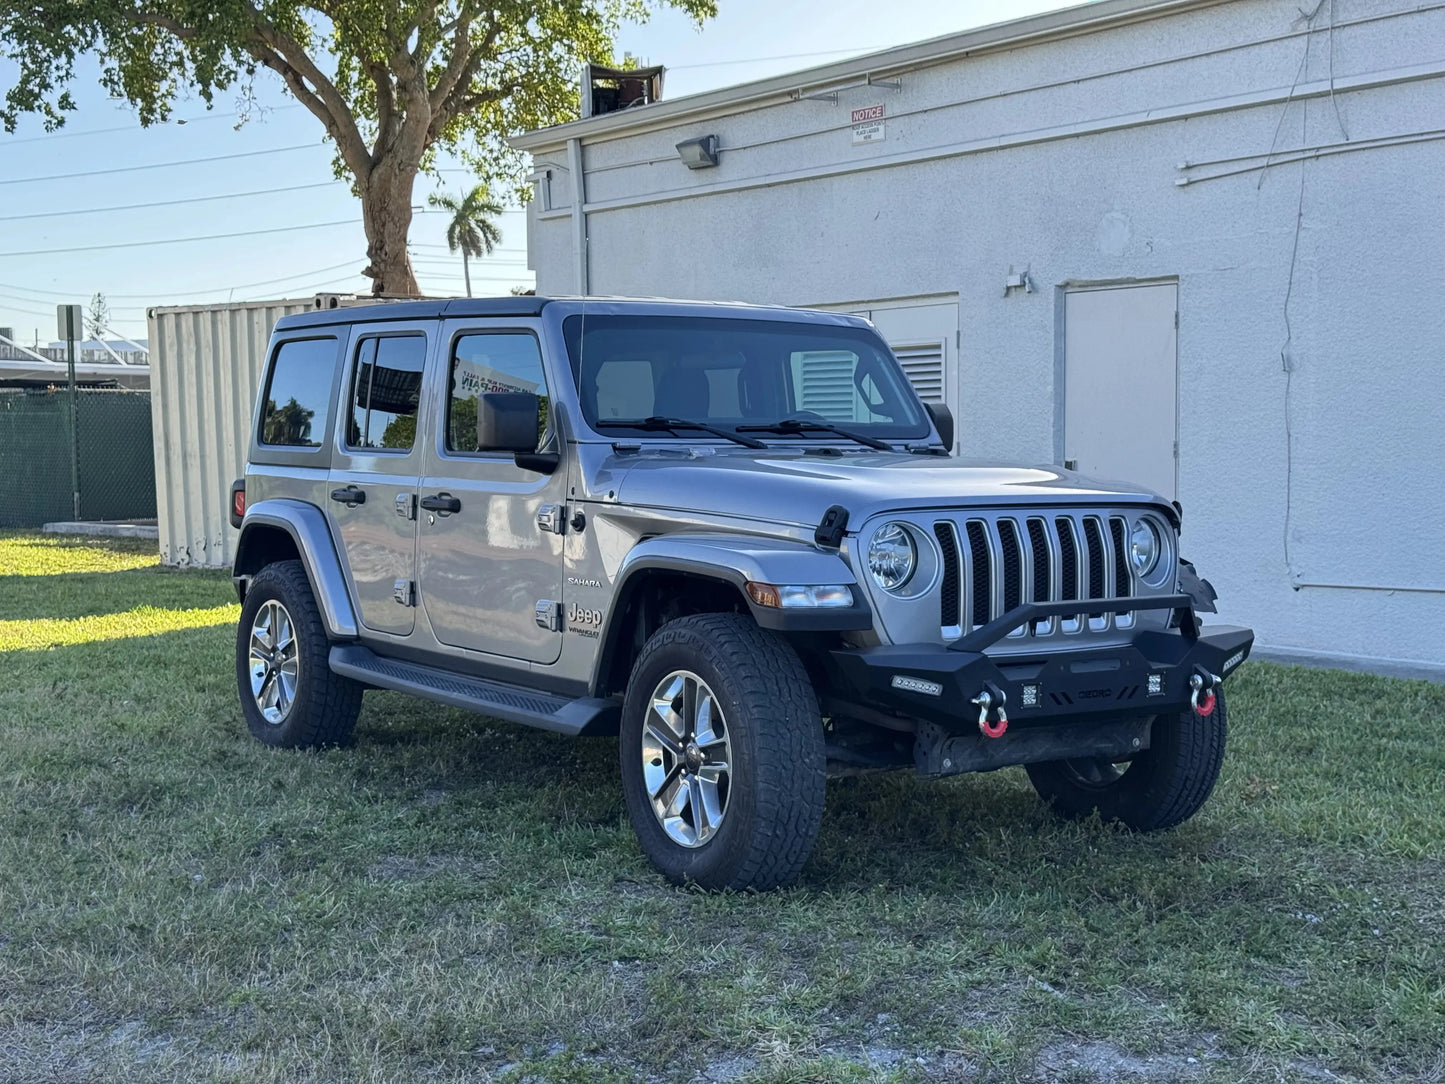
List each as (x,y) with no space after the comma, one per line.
(533,306)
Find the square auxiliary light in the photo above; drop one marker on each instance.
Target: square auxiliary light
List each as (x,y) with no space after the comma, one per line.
(700,153)
(1156,684)
(1029,696)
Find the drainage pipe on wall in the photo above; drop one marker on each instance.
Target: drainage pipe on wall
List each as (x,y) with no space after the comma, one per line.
(579,214)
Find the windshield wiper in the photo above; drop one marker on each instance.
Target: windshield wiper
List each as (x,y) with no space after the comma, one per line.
(658,423)
(797,425)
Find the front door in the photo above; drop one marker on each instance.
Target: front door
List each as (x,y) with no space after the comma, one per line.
(1121,384)
(375,466)
(490,574)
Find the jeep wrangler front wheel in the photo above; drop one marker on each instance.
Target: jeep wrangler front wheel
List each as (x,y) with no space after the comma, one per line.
(722,754)
(1161,787)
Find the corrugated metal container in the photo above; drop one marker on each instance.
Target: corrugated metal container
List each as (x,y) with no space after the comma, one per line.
(206,364)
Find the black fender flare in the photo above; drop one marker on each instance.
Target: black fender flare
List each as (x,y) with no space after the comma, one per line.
(308,529)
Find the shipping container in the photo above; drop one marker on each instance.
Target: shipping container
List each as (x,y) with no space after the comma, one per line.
(206,363)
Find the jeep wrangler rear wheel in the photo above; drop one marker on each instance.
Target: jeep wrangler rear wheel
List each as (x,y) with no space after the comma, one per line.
(1161,787)
(289,695)
(722,754)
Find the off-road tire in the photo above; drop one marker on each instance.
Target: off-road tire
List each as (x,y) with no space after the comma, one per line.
(775,800)
(324,710)
(1161,787)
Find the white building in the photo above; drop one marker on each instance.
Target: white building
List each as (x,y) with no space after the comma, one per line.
(1194,243)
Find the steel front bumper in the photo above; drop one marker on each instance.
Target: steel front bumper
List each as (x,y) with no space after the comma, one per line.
(1149,675)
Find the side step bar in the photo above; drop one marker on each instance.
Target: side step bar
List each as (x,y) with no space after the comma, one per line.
(515,704)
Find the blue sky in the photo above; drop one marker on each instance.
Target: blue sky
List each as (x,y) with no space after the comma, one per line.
(263,243)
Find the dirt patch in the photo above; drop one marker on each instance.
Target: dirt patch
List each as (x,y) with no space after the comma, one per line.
(1105,1062)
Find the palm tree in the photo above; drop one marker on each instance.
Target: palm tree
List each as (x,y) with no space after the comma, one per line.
(471,228)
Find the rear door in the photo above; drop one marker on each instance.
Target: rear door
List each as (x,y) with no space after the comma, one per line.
(374,470)
(490,573)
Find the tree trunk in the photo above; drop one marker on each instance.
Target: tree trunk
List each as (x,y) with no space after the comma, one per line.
(467,272)
(386,214)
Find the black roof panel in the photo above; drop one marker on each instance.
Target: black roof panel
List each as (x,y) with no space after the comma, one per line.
(416,310)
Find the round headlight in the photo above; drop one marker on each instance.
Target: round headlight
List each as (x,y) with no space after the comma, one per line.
(892,556)
(1144,547)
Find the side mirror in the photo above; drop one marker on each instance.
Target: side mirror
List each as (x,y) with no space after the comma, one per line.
(507,421)
(943,422)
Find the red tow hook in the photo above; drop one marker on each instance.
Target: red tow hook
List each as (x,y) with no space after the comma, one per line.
(986,701)
(1201,695)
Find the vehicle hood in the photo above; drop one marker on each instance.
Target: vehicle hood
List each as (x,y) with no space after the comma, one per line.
(793,488)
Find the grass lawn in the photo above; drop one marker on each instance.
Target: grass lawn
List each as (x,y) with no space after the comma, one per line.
(459,899)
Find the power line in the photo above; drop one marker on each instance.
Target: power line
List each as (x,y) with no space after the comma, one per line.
(132,128)
(167,203)
(179,240)
(161,165)
(766,59)
(21,308)
(150,297)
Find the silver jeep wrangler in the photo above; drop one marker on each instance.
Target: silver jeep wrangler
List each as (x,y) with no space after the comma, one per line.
(732,536)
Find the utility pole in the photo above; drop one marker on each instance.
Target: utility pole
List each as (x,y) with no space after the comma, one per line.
(71,318)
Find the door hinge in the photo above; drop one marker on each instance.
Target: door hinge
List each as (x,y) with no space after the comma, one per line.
(406,505)
(549,615)
(552,518)
(402,592)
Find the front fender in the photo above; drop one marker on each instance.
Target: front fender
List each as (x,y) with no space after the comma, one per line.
(738,559)
(308,529)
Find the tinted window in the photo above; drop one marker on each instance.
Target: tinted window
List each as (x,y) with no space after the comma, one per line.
(385,392)
(734,372)
(501,361)
(298,393)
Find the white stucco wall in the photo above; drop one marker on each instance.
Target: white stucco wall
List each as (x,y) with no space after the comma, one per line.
(1064,157)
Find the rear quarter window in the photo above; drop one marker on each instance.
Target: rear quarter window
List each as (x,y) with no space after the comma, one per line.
(296,406)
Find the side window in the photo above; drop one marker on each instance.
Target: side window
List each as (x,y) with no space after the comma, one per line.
(491,361)
(297,404)
(385,391)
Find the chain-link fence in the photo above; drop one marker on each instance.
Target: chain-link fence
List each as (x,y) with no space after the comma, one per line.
(109,460)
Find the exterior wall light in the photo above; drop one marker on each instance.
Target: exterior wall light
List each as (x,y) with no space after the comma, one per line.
(698,153)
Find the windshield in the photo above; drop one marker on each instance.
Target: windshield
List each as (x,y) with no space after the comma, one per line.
(732,373)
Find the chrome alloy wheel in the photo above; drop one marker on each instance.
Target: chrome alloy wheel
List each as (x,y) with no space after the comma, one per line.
(273,662)
(686,758)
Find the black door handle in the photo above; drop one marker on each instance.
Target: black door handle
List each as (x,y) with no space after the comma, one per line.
(349,496)
(441,502)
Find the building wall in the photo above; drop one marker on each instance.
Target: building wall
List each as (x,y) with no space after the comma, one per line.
(1310,385)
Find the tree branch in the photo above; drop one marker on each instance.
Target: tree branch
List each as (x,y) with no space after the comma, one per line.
(460,62)
(385,106)
(283,54)
(454,101)
(165,22)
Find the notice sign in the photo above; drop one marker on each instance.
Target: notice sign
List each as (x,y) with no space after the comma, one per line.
(868,124)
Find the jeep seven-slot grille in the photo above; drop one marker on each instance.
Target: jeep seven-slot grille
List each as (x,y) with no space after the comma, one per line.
(991,565)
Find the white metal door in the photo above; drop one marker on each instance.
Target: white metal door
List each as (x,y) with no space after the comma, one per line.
(1121,384)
